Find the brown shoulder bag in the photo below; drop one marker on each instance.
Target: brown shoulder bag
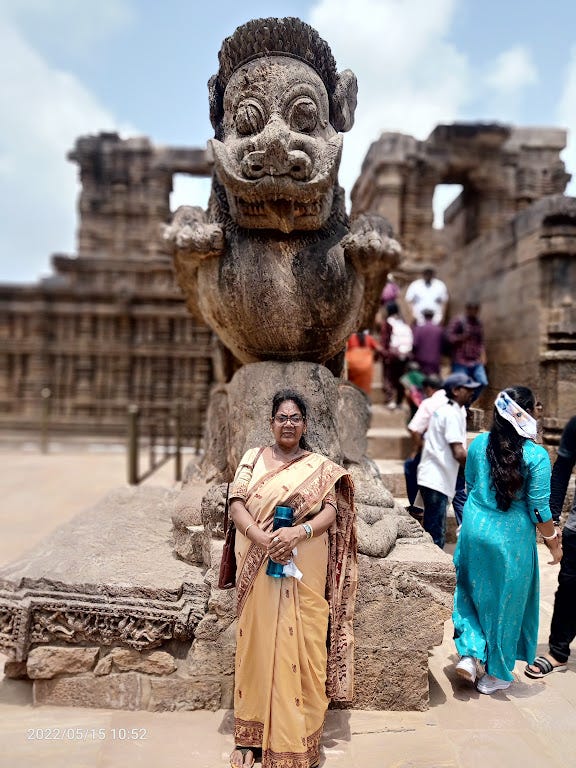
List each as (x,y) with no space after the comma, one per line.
(227,575)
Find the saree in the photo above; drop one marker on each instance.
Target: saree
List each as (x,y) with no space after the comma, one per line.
(294,639)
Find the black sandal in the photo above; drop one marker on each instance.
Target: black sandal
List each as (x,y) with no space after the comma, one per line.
(544,666)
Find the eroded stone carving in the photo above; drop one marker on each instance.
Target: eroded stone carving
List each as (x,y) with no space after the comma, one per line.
(274,267)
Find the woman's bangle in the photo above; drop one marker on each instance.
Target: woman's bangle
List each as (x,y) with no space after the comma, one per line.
(248,528)
(308,530)
(554,536)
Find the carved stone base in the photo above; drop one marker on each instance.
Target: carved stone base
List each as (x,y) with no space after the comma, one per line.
(119,608)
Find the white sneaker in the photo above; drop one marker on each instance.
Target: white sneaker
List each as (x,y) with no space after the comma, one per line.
(466,668)
(490,684)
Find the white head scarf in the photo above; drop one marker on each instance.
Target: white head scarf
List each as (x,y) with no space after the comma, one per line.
(522,422)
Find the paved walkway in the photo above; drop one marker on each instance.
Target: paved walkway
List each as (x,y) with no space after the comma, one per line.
(532,725)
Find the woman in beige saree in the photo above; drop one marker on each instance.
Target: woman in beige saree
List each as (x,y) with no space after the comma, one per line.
(294,637)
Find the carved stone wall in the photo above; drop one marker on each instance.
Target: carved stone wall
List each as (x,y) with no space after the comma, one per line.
(524,275)
(509,240)
(110,327)
(502,169)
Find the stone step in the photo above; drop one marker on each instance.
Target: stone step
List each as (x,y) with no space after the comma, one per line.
(381,416)
(392,471)
(388,443)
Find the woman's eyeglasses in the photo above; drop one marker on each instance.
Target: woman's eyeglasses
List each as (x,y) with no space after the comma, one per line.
(295,419)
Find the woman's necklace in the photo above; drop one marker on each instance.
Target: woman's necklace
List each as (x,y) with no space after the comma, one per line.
(286,457)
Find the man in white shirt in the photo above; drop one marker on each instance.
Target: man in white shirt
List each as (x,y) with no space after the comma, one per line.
(443,453)
(417,426)
(427,292)
(435,397)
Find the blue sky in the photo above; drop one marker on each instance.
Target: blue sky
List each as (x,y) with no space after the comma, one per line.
(141,67)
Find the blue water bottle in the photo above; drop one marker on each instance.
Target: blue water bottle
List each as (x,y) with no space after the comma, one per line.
(283,517)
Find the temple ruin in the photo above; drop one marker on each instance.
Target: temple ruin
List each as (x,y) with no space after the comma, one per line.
(110,326)
(509,240)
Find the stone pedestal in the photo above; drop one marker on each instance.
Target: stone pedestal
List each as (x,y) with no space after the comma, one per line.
(102,614)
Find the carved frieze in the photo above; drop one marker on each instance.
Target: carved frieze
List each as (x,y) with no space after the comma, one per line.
(27,620)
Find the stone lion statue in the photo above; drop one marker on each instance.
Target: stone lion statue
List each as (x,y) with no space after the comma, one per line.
(274,266)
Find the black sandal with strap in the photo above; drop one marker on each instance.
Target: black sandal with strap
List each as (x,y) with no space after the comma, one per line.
(545,667)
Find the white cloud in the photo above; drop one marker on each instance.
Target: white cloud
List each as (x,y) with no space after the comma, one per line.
(410,76)
(76,26)
(43,111)
(567,118)
(512,71)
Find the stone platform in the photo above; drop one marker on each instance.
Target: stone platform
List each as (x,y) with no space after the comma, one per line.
(103,614)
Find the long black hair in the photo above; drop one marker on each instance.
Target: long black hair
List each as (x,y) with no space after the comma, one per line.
(505,451)
(284,395)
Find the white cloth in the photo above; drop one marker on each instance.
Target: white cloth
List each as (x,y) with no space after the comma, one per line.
(523,422)
(438,469)
(291,569)
(419,422)
(421,296)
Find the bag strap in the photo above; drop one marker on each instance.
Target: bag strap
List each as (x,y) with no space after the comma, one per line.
(226,509)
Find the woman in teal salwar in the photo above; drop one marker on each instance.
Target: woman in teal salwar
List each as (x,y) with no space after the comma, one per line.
(496,603)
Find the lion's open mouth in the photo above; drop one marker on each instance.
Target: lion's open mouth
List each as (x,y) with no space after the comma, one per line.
(264,208)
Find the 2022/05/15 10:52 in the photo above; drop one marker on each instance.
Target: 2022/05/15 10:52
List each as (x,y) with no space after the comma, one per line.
(85,734)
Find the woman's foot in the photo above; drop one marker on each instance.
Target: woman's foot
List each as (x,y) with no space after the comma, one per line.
(466,669)
(242,757)
(490,684)
(544,665)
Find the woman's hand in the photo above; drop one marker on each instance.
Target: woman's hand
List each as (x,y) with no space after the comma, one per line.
(555,547)
(283,541)
(259,537)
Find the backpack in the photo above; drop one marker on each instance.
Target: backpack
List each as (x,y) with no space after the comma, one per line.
(402,339)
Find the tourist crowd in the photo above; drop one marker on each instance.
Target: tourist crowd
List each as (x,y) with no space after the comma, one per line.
(414,347)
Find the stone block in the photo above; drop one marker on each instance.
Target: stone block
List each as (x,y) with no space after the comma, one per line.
(48,661)
(189,543)
(402,603)
(391,679)
(353,421)
(98,583)
(213,657)
(150,662)
(15,670)
(188,503)
(177,693)
(104,666)
(116,691)
(213,511)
